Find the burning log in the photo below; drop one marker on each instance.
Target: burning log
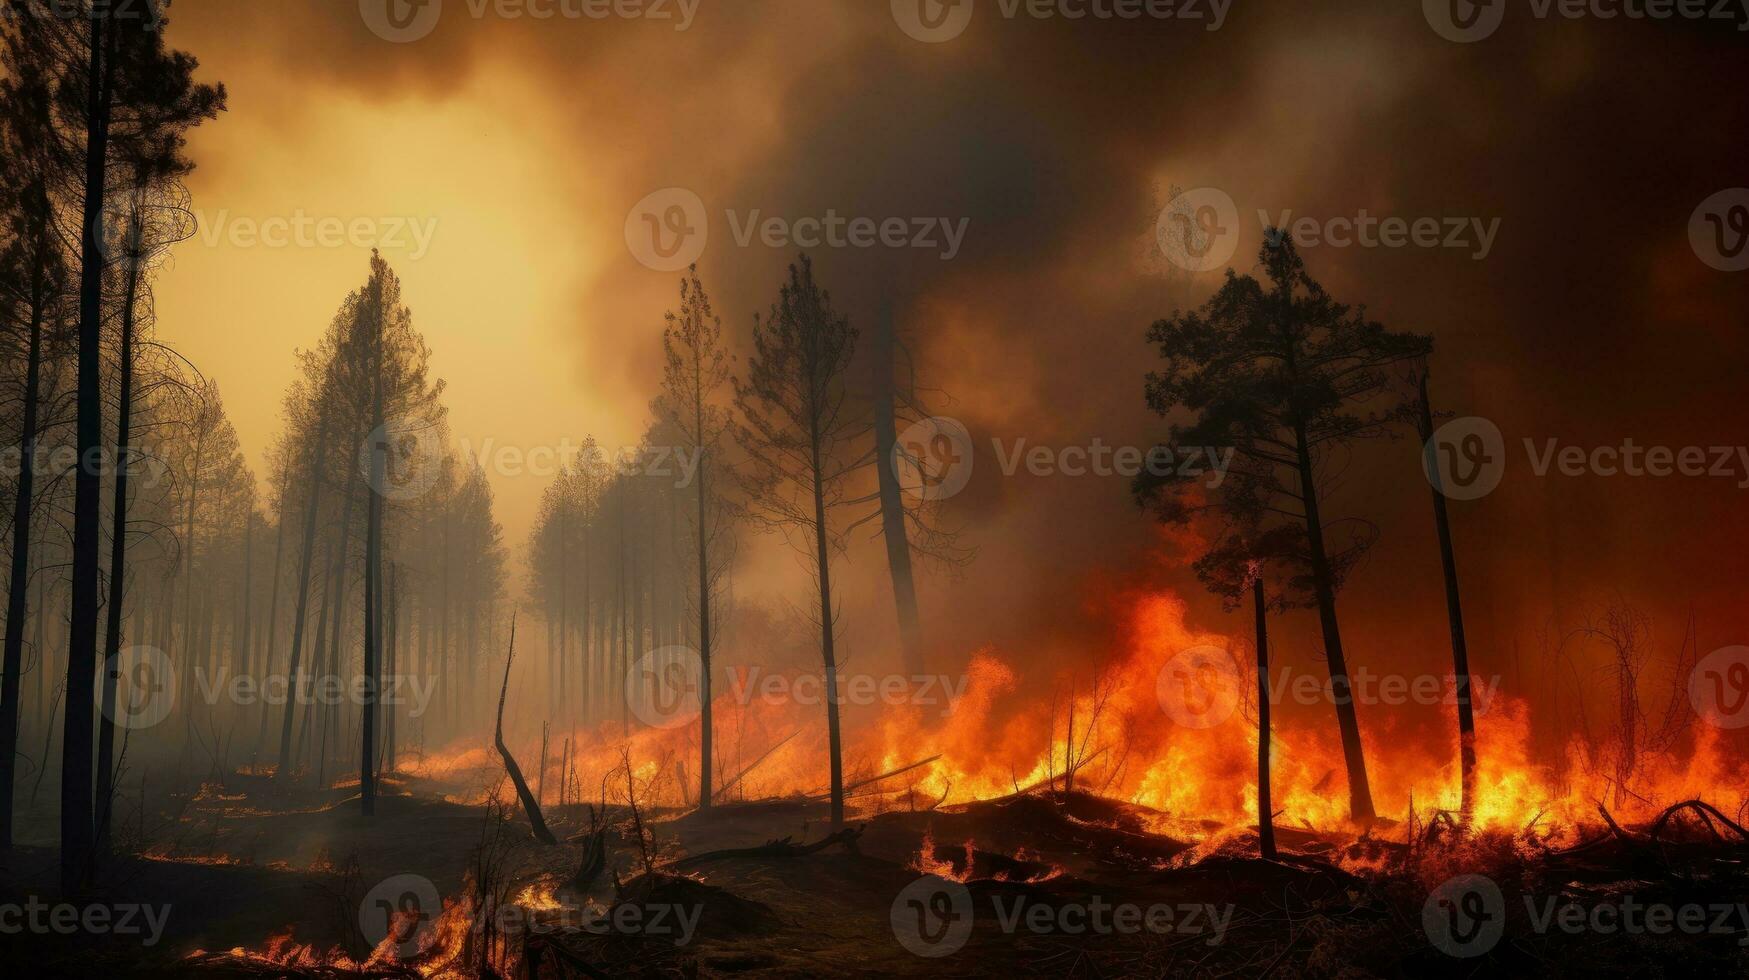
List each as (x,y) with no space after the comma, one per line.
(783,848)
(529,804)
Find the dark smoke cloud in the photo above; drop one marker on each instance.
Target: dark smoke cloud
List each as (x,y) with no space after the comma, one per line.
(1591,321)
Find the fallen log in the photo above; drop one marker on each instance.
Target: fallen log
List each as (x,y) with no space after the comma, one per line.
(529,804)
(783,848)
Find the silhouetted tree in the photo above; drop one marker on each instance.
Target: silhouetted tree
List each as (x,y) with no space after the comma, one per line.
(695,367)
(796,432)
(1284,375)
(1460,653)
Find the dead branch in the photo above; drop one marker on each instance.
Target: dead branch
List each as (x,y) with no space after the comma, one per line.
(875,779)
(752,766)
(529,804)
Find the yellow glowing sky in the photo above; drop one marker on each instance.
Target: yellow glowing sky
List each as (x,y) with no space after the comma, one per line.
(493,287)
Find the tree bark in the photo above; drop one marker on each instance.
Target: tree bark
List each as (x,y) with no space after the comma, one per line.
(118,545)
(76,763)
(1265,810)
(1360,806)
(822,556)
(302,614)
(893,530)
(1460,654)
(18,585)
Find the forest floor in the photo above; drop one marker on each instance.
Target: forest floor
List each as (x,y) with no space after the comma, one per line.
(1048,884)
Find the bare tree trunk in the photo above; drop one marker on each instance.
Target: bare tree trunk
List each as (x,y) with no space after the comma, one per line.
(394,650)
(302,614)
(619,624)
(704,640)
(893,530)
(18,585)
(1460,653)
(76,763)
(822,556)
(373,638)
(1360,805)
(1265,810)
(272,611)
(118,542)
(330,717)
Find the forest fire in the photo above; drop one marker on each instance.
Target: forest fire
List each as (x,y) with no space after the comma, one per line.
(543,489)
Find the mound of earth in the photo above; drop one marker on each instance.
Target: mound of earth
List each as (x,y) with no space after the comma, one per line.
(1077,833)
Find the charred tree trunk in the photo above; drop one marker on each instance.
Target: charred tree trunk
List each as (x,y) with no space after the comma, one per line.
(118,541)
(1265,811)
(893,530)
(18,584)
(822,556)
(272,633)
(373,637)
(77,827)
(529,804)
(302,613)
(1360,806)
(1460,653)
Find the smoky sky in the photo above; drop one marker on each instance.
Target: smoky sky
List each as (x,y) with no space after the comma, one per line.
(1590,141)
